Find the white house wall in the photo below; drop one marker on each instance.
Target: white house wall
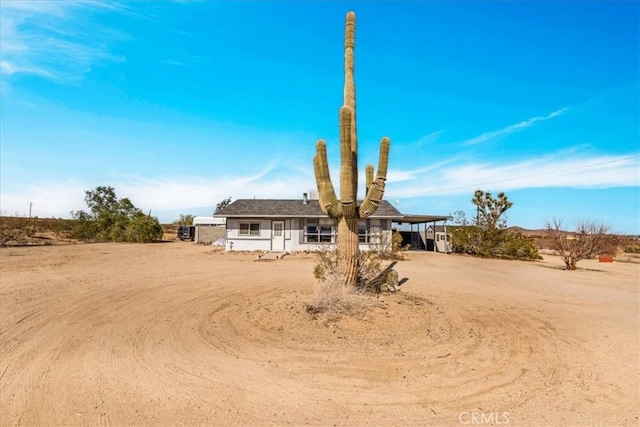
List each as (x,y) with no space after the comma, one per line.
(261,242)
(236,242)
(293,233)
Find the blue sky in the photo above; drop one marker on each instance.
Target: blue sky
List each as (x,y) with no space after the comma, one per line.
(179,105)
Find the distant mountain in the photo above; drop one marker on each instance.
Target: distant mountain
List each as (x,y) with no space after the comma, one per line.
(541,232)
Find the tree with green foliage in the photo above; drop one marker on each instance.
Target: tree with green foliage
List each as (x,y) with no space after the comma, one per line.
(113,219)
(487,235)
(184,220)
(489,209)
(222,204)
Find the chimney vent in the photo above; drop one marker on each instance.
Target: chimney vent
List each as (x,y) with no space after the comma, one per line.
(304,198)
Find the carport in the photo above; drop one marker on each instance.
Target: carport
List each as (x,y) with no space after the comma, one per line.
(414,236)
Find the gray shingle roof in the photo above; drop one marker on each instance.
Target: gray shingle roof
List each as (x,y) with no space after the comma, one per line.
(291,208)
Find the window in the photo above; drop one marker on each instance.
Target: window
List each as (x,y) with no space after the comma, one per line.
(249,228)
(363,231)
(324,230)
(319,230)
(277,229)
(369,231)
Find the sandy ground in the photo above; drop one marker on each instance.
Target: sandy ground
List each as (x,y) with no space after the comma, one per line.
(177,334)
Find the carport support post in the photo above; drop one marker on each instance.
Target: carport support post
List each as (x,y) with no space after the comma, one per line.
(426,237)
(446,238)
(435,236)
(411,234)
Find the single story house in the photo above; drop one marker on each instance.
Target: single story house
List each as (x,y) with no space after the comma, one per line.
(297,225)
(209,229)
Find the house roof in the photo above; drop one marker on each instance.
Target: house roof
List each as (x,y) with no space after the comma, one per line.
(291,208)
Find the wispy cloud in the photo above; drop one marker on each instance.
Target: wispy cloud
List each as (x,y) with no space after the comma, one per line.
(404,175)
(170,193)
(554,171)
(450,178)
(512,128)
(429,139)
(55,40)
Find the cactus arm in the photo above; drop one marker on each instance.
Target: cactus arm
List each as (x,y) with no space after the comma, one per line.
(376,189)
(369,177)
(326,194)
(347,195)
(383,160)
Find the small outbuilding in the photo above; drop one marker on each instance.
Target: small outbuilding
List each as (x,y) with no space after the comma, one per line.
(438,239)
(209,229)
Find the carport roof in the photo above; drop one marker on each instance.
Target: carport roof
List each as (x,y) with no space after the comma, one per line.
(419,219)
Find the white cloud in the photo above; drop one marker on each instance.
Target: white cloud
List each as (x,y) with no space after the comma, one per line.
(555,170)
(513,128)
(175,193)
(403,175)
(50,199)
(54,40)
(430,138)
(165,194)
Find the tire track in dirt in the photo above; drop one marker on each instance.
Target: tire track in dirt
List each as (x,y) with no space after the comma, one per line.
(125,340)
(474,354)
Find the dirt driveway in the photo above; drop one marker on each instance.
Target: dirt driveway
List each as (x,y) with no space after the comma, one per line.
(178,334)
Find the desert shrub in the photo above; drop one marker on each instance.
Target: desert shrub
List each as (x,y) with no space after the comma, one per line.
(520,247)
(143,228)
(83,226)
(590,238)
(113,219)
(184,219)
(16,231)
(64,229)
(332,299)
(396,244)
(463,239)
(632,249)
(389,249)
(479,241)
(487,236)
(493,243)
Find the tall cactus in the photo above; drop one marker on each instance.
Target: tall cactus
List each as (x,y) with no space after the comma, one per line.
(346,210)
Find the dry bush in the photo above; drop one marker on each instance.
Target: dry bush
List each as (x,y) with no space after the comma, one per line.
(16,231)
(589,239)
(331,298)
(630,244)
(389,249)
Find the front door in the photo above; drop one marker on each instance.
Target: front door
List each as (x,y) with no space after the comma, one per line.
(277,236)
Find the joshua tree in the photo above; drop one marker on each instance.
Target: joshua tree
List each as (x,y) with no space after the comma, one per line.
(490,209)
(346,211)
